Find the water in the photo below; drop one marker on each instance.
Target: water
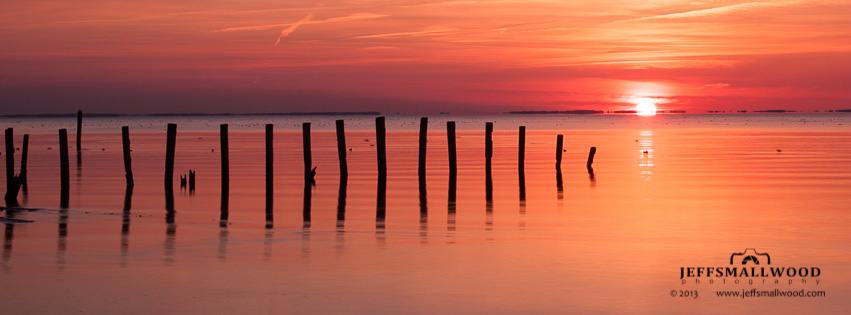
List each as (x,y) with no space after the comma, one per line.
(707,186)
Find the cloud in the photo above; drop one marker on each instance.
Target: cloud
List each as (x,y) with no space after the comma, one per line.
(286,32)
(720,10)
(715,85)
(418,33)
(350,17)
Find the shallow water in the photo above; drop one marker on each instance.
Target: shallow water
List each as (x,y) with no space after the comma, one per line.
(707,186)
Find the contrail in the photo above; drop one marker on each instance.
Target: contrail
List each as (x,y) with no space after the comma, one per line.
(286,32)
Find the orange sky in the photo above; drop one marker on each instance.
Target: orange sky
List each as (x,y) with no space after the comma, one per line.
(416,57)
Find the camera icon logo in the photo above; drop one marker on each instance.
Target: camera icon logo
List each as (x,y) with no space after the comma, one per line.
(751,255)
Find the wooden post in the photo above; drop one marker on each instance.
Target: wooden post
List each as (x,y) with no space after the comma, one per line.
(128,168)
(421,168)
(171,138)
(10,163)
(308,162)
(591,157)
(488,157)
(380,147)
(521,148)
(270,173)
(450,139)
(65,172)
(225,196)
(341,149)
(191,182)
(223,141)
(559,150)
(79,129)
(24,154)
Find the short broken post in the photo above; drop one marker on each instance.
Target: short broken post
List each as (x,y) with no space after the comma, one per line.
(591,157)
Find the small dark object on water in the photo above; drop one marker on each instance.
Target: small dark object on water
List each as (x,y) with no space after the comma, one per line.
(778,150)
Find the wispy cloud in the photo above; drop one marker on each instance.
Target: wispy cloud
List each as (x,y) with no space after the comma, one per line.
(350,17)
(286,32)
(402,34)
(720,10)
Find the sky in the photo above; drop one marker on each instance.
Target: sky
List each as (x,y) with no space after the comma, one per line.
(422,57)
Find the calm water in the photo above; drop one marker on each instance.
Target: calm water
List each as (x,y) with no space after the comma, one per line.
(707,186)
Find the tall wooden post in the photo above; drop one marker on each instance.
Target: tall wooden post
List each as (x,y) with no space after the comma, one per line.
(79,129)
(488,157)
(521,148)
(24,154)
(10,162)
(270,175)
(341,149)
(421,166)
(380,146)
(450,139)
(308,160)
(171,138)
(65,172)
(225,196)
(559,150)
(128,168)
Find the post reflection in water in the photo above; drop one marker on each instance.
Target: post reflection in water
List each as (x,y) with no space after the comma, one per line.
(171,227)
(61,243)
(341,210)
(380,208)
(125,224)
(451,205)
(645,151)
(559,187)
(521,176)
(8,234)
(423,211)
(305,227)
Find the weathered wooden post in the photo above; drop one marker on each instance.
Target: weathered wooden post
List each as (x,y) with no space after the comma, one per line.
(128,168)
(171,138)
(65,172)
(168,178)
(488,157)
(308,162)
(421,166)
(341,149)
(591,157)
(453,158)
(270,175)
(191,182)
(559,150)
(223,141)
(225,196)
(10,161)
(381,149)
(24,154)
(79,129)
(521,148)
(13,183)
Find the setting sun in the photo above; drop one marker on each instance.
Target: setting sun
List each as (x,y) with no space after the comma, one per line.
(645,108)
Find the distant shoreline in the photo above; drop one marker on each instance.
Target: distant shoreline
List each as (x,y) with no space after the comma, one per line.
(194,114)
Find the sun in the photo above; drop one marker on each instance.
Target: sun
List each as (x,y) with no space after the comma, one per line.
(645,108)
